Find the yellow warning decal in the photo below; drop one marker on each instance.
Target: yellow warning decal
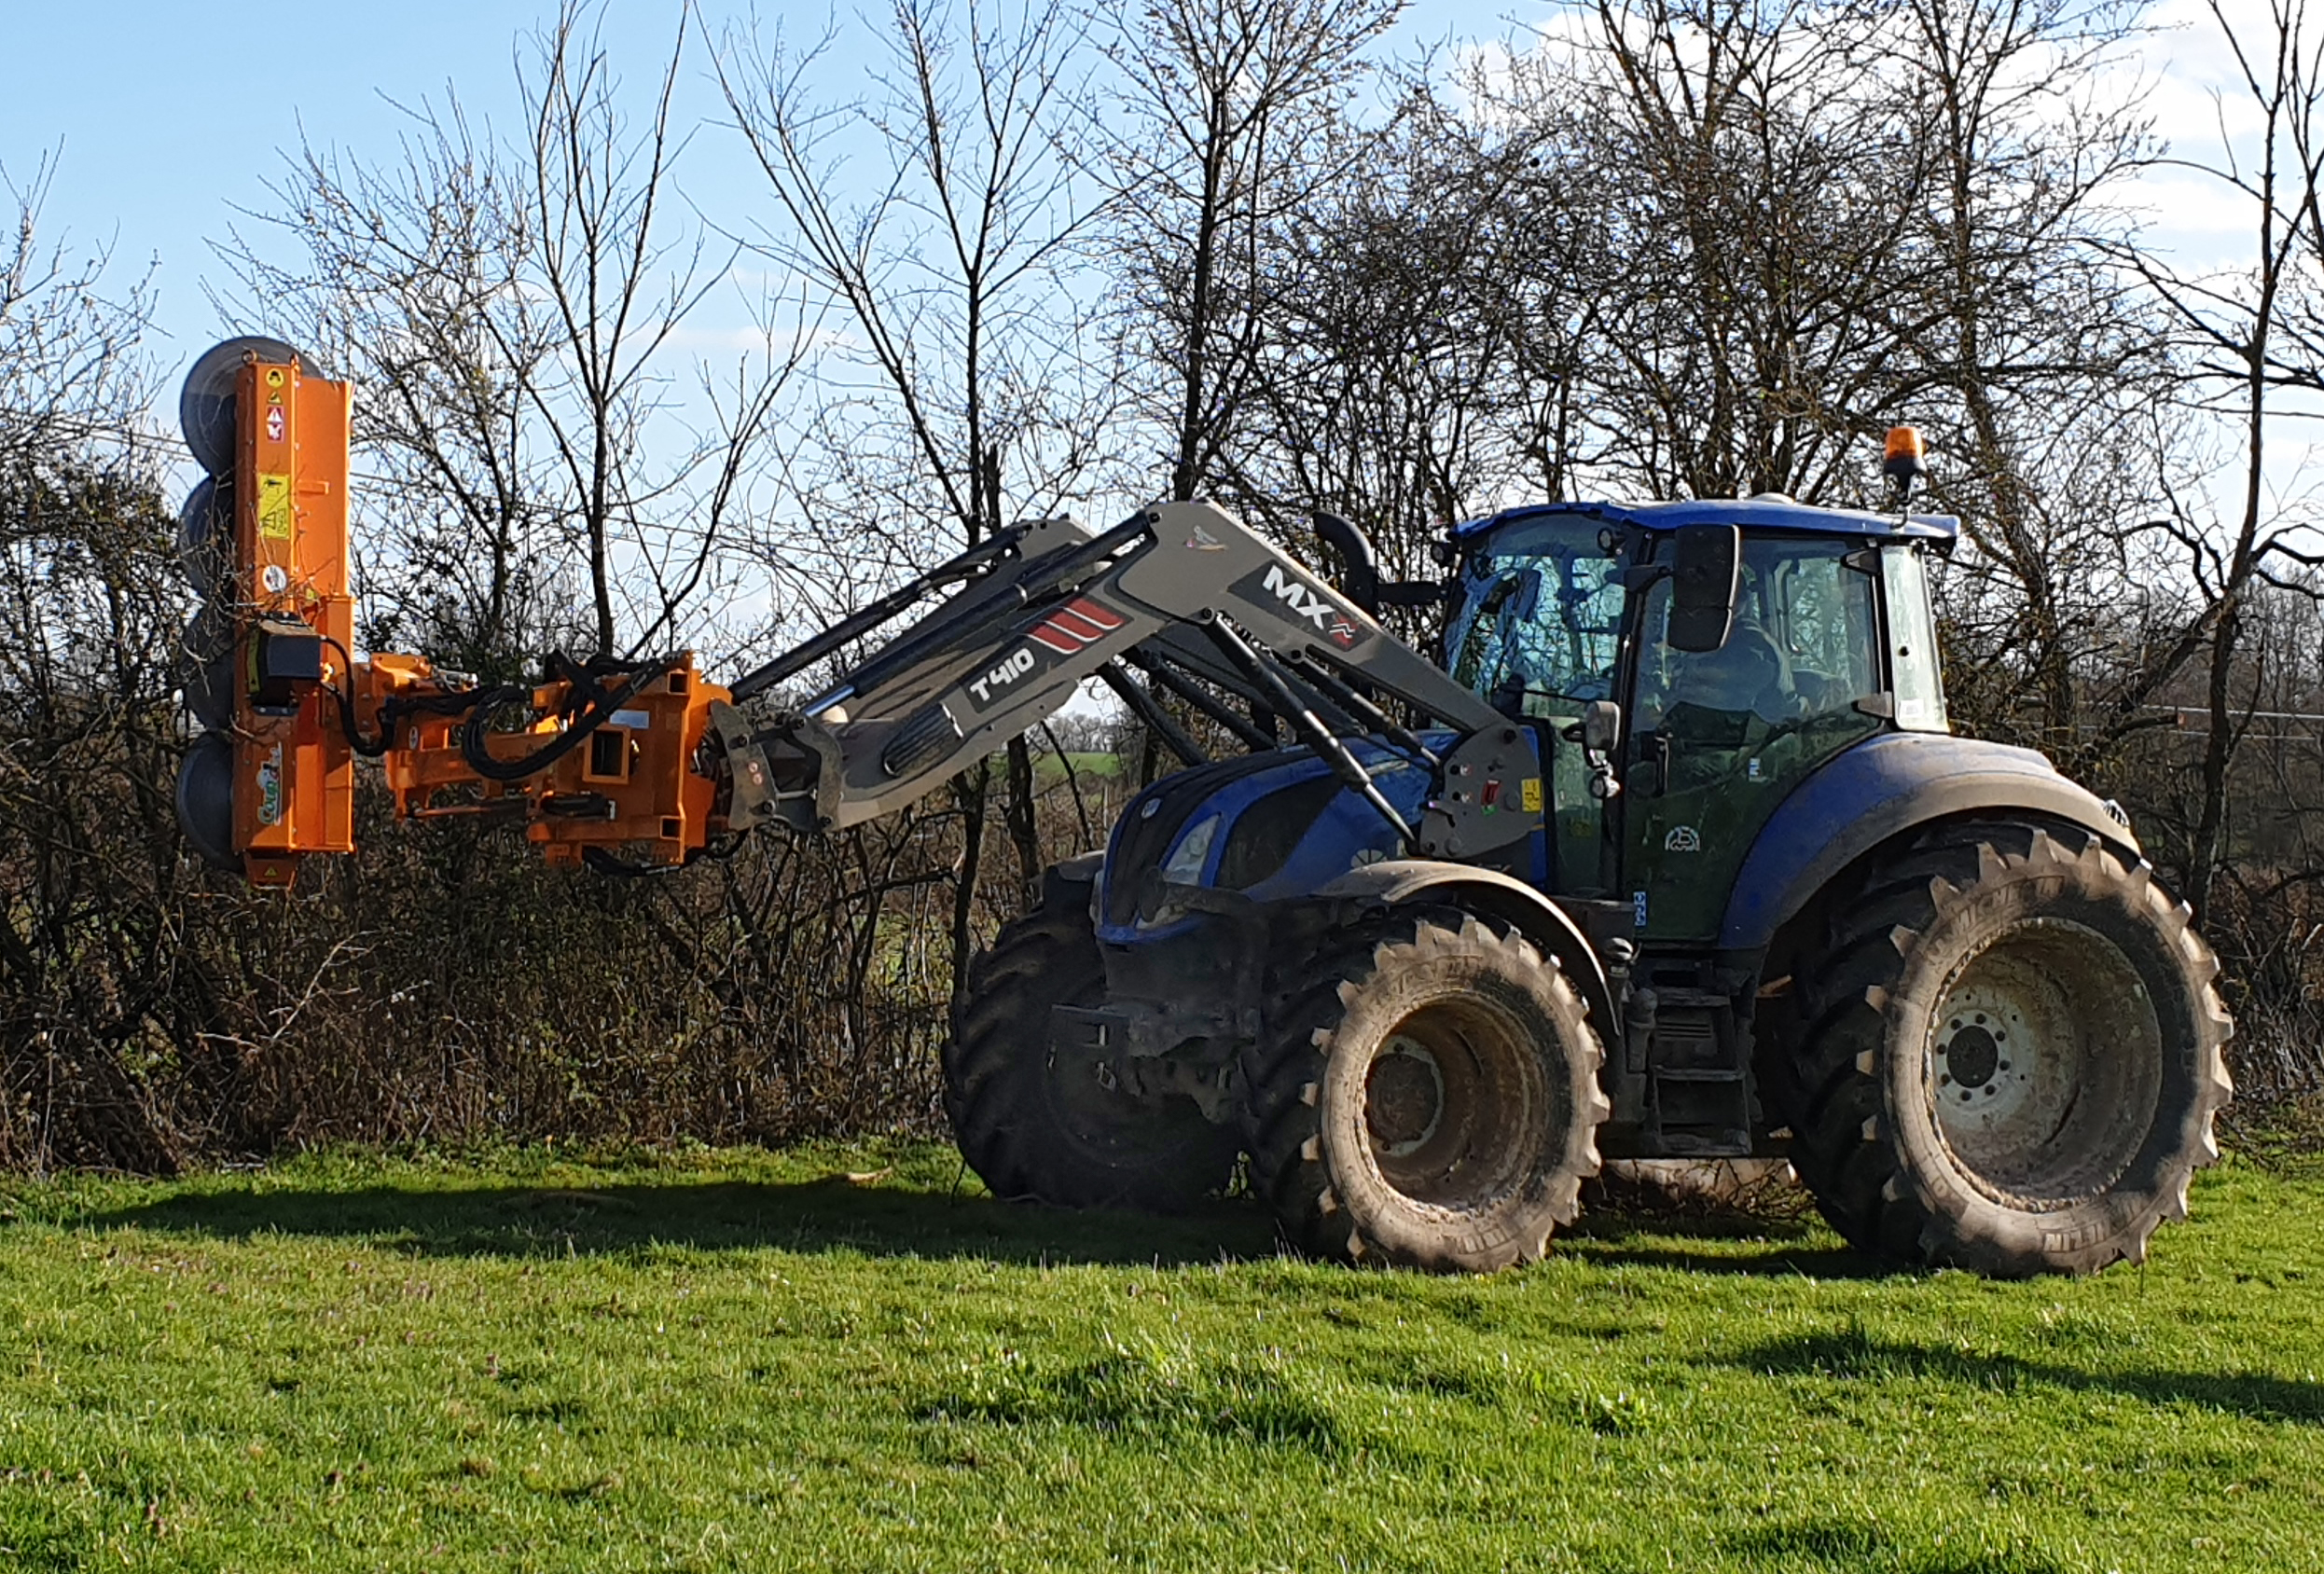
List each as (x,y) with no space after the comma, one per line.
(274,508)
(1530,793)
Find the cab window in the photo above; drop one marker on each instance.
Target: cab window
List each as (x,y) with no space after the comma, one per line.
(1541,625)
(1804,646)
(1721,737)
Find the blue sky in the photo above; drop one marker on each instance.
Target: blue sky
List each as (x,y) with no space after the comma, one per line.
(168,116)
(165,117)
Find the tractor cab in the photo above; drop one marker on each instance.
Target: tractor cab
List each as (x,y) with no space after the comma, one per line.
(1684,699)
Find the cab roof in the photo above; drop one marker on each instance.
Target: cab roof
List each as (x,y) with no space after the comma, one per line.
(1769,511)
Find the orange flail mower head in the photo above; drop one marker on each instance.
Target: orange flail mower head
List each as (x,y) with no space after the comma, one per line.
(603,761)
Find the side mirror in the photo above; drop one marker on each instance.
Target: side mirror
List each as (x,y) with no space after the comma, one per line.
(1706,575)
(1601,726)
(1599,732)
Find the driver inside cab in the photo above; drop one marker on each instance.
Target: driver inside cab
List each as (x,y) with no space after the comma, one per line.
(1746,675)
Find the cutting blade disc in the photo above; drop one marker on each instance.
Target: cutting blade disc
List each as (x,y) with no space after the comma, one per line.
(205,406)
(205,800)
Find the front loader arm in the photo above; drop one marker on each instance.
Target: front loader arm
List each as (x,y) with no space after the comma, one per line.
(1181,586)
(638,765)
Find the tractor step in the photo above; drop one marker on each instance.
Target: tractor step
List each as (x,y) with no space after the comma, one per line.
(1698,1098)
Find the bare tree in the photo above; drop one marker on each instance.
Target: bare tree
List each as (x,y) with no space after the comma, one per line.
(71,371)
(617,288)
(1757,177)
(90,615)
(970,376)
(510,313)
(2029,346)
(1421,308)
(1223,117)
(2248,337)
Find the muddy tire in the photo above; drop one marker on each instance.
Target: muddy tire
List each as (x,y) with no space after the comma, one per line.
(2008,1054)
(1039,1127)
(1425,1093)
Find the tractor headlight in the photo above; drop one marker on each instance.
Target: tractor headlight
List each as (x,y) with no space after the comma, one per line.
(1184,867)
(1193,851)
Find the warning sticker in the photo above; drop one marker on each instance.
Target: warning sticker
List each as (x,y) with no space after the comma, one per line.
(270,788)
(1529,793)
(274,508)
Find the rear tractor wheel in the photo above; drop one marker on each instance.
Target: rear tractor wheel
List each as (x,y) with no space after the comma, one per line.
(1425,1093)
(2010,1055)
(1044,1125)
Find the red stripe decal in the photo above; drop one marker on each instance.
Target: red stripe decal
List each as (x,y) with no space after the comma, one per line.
(1106,618)
(1087,631)
(1055,638)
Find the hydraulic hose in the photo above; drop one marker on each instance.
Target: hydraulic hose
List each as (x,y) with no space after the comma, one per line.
(345,695)
(594,715)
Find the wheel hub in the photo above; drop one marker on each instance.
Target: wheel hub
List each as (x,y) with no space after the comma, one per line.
(1985,1058)
(1404,1097)
(1975,1056)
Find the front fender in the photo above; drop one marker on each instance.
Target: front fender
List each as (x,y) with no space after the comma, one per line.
(1879,789)
(1488,893)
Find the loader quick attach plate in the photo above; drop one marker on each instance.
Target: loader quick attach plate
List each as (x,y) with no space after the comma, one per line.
(751,792)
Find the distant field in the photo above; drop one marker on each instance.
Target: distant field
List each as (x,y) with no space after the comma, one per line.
(841,1358)
(1083,763)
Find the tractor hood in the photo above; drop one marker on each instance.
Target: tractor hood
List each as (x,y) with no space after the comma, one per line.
(1271,825)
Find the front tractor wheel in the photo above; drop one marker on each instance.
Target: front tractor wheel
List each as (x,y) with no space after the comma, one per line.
(2010,1055)
(1039,1124)
(1425,1093)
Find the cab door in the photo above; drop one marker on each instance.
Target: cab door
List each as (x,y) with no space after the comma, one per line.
(1719,737)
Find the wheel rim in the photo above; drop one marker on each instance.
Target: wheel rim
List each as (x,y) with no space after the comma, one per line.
(2044,1065)
(1450,1098)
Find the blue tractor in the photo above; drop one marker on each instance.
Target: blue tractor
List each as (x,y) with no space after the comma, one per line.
(1673,854)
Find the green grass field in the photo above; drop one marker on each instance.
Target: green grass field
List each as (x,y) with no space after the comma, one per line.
(1085,764)
(838,1359)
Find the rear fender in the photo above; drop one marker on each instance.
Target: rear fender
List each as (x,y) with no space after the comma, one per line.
(1489,895)
(1881,788)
